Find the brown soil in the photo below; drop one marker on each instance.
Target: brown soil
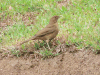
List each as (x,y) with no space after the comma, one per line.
(81,62)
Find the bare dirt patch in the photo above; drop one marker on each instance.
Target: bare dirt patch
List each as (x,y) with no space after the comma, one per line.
(64,3)
(28,19)
(81,62)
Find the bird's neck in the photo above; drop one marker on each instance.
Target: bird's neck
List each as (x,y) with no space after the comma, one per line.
(52,23)
(55,24)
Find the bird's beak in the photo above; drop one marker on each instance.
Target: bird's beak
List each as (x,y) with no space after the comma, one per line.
(59,16)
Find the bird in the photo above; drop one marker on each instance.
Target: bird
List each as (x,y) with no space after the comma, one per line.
(48,33)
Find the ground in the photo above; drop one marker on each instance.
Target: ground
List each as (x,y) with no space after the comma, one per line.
(82,62)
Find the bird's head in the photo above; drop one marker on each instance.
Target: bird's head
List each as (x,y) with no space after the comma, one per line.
(54,19)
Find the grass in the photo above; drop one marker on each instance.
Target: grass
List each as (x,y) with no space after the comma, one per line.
(47,53)
(80,20)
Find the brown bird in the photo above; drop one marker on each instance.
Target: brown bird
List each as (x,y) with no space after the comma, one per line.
(47,33)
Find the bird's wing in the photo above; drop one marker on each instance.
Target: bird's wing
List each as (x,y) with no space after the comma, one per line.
(44,32)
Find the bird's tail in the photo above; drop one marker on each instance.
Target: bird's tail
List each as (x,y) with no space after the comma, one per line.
(27,40)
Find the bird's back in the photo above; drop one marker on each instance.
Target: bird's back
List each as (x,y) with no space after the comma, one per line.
(49,32)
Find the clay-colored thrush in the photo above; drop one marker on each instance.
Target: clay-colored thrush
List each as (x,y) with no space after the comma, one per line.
(47,33)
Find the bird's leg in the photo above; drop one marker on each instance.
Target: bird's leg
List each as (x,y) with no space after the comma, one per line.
(43,45)
(48,43)
(44,41)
